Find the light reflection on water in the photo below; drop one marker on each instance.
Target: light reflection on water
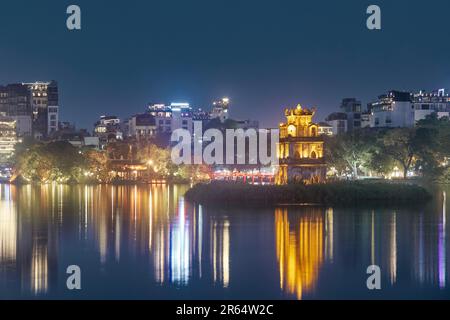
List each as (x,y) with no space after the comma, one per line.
(148,242)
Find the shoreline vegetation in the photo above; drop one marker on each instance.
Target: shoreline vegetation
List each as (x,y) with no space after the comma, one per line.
(131,162)
(345,193)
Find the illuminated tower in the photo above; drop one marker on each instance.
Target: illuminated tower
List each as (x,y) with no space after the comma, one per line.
(300,149)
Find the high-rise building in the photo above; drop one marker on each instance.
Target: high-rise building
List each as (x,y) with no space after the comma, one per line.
(108,128)
(45,106)
(200,115)
(163,116)
(220,109)
(169,118)
(15,100)
(404,109)
(37,100)
(181,116)
(393,109)
(142,126)
(352,108)
(338,122)
(427,103)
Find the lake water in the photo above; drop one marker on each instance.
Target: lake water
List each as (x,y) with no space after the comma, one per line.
(147,242)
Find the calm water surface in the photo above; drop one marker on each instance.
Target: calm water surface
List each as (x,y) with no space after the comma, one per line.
(147,242)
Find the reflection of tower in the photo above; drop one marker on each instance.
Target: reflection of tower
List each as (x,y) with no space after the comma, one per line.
(220,252)
(299,246)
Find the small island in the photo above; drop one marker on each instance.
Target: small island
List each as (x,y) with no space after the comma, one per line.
(342,193)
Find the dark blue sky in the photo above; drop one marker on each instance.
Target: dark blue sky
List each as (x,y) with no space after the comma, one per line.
(264,55)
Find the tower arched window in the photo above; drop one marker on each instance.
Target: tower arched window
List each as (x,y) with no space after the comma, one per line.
(292,131)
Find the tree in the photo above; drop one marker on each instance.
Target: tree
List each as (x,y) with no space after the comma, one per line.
(434,158)
(96,164)
(349,151)
(381,163)
(55,161)
(408,146)
(157,159)
(119,150)
(398,144)
(33,163)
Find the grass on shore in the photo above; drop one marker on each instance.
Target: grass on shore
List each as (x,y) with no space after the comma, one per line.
(354,193)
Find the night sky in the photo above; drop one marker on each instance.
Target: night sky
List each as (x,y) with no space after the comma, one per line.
(264,55)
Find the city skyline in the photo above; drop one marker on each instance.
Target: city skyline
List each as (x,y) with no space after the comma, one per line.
(222,49)
(203,155)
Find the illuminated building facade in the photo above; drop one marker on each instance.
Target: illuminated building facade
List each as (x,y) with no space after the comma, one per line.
(8,138)
(392,110)
(35,102)
(108,128)
(169,118)
(352,108)
(220,109)
(45,106)
(325,129)
(300,149)
(427,103)
(142,126)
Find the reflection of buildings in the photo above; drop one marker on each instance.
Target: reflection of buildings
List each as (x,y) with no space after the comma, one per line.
(220,252)
(39,268)
(180,248)
(175,244)
(300,249)
(442,243)
(8,227)
(28,236)
(130,222)
(429,246)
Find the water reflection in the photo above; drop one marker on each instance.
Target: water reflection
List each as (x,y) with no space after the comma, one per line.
(118,222)
(149,238)
(8,227)
(220,252)
(300,250)
(442,244)
(344,242)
